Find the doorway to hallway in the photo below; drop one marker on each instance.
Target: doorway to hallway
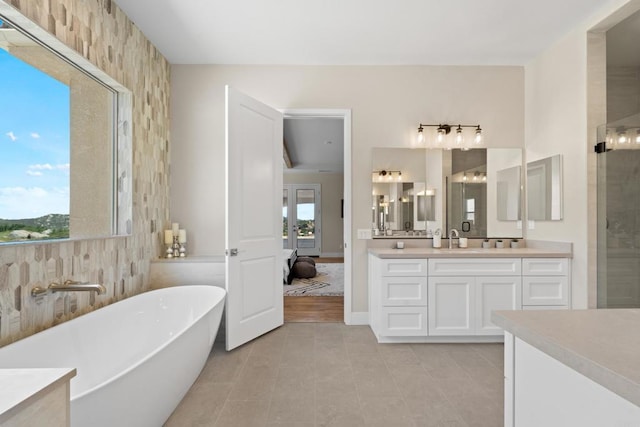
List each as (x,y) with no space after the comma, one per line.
(315,212)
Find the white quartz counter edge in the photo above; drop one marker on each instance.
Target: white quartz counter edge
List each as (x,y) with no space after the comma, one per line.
(468,253)
(18,387)
(602,345)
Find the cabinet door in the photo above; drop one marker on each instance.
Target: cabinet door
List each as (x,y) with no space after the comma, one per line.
(451,305)
(495,293)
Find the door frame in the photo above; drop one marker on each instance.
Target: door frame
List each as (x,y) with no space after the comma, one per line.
(344,114)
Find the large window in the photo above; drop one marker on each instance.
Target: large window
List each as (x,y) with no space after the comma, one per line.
(57,145)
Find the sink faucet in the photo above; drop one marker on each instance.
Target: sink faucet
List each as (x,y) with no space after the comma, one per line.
(453,233)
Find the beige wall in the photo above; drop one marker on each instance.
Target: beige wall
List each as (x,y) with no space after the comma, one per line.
(564,102)
(331,186)
(387,103)
(100,32)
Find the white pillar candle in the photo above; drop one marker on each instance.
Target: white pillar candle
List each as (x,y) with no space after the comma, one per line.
(168,237)
(182,236)
(174,227)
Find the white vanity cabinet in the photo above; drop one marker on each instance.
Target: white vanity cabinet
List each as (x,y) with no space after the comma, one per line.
(464,292)
(425,297)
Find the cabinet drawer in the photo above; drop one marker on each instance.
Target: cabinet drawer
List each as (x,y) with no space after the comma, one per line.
(544,290)
(545,266)
(404,267)
(403,321)
(403,291)
(475,266)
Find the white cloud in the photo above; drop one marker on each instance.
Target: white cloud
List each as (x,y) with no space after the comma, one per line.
(34,173)
(42,166)
(22,202)
(35,135)
(47,167)
(11,136)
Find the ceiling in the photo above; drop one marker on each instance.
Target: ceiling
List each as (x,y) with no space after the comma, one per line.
(351,32)
(314,144)
(355,32)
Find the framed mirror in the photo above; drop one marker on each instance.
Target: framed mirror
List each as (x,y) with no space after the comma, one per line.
(544,189)
(460,191)
(67,140)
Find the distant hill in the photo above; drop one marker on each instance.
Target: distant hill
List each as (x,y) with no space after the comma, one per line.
(51,221)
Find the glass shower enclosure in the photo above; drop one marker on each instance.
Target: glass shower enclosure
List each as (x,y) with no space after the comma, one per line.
(618,192)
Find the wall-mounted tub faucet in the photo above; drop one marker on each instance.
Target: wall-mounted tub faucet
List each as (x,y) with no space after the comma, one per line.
(68,286)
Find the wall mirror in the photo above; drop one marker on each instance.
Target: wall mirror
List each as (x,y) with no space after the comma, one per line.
(544,189)
(474,195)
(508,193)
(460,187)
(66,139)
(401,198)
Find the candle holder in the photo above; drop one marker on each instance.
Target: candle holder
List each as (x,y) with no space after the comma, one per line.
(175,244)
(176,247)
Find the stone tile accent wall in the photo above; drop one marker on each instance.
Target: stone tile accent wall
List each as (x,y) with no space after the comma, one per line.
(100,32)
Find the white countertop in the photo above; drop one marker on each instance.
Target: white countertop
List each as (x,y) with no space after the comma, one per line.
(19,386)
(603,345)
(469,253)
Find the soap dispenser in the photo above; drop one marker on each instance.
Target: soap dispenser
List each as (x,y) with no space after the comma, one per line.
(437,239)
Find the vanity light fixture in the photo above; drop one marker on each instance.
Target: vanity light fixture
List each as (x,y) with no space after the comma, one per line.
(622,136)
(386,175)
(442,130)
(459,138)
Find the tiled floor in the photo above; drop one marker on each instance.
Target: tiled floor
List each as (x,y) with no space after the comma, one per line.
(329,374)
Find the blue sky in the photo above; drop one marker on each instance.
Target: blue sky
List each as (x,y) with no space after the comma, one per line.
(34,141)
(305,210)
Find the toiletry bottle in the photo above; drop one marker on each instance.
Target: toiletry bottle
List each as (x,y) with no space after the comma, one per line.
(437,242)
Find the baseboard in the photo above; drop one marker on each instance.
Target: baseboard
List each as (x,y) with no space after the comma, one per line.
(332,255)
(359,318)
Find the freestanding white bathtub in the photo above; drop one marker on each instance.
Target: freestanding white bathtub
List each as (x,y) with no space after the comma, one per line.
(135,359)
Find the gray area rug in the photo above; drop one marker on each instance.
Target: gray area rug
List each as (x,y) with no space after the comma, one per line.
(329,281)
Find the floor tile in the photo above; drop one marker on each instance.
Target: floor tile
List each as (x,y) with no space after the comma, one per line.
(244,413)
(330,374)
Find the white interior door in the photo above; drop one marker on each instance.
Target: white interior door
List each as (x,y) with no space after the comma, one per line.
(254,268)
